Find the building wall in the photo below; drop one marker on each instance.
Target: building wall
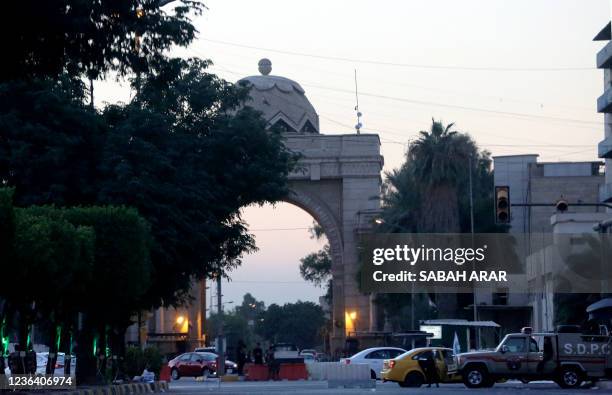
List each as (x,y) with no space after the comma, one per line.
(549,189)
(548,182)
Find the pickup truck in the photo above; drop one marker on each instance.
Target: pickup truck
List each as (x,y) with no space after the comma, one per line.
(566,358)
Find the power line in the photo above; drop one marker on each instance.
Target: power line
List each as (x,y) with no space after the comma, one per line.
(386,140)
(539,103)
(515,115)
(394,64)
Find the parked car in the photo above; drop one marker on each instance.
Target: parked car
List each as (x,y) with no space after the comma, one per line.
(43,357)
(374,357)
(309,351)
(211,349)
(194,364)
(406,370)
(322,357)
(309,358)
(287,353)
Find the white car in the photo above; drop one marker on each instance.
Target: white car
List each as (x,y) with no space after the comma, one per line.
(308,358)
(374,357)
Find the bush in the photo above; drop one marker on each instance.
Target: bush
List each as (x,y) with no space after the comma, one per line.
(136,360)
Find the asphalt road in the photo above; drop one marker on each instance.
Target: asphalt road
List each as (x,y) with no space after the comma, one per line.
(186,386)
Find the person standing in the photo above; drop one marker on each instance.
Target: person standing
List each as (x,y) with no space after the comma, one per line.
(427,364)
(272,364)
(258,354)
(241,356)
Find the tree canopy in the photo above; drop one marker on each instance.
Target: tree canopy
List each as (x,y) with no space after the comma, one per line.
(184,152)
(300,323)
(91,38)
(430,193)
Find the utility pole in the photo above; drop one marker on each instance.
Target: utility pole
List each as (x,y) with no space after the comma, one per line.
(220,337)
(472,232)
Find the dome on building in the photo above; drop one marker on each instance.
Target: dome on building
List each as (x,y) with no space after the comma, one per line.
(282,101)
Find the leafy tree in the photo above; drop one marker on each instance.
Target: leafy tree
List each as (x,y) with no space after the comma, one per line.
(121,258)
(7,224)
(435,162)
(300,323)
(49,143)
(188,156)
(54,258)
(49,261)
(90,38)
(67,258)
(235,328)
(250,308)
(430,193)
(183,152)
(316,267)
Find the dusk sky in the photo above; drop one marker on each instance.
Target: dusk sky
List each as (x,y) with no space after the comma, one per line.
(518,75)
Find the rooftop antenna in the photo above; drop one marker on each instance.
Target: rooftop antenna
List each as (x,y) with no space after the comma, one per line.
(359,125)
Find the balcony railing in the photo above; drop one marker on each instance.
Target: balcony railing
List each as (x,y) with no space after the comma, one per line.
(604,57)
(604,148)
(604,102)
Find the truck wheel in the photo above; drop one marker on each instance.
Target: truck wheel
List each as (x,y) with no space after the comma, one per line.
(476,377)
(413,380)
(570,377)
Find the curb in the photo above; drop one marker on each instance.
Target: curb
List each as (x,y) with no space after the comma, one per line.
(123,389)
(607,385)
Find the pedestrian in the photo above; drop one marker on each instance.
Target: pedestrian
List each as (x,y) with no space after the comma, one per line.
(258,354)
(273,366)
(427,364)
(241,356)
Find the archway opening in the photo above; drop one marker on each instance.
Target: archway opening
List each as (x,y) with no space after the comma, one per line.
(269,299)
(283,237)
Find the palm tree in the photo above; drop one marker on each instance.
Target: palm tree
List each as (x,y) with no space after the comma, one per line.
(438,159)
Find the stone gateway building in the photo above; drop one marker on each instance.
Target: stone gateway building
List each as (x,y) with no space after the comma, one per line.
(337,181)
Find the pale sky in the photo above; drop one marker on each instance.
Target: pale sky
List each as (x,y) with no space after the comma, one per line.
(518,75)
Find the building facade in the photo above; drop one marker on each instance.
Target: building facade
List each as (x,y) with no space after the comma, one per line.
(542,184)
(604,106)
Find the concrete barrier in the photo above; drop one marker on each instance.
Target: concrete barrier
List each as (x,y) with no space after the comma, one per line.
(341,375)
(318,370)
(350,376)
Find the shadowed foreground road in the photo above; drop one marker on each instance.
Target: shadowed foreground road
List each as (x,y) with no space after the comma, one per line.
(188,386)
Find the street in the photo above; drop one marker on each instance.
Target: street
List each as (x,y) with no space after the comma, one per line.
(188,386)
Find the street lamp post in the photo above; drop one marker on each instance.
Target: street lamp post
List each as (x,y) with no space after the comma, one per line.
(220,337)
(474,301)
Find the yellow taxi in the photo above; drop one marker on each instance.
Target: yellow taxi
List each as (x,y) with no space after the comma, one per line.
(407,371)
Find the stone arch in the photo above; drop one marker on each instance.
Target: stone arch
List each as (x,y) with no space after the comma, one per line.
(319,209)
(322,214)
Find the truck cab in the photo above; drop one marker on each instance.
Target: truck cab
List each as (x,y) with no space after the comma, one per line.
(567,358)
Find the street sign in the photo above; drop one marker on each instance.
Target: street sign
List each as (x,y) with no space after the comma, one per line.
(435,329)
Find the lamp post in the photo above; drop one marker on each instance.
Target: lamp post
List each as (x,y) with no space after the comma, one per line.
(220,337)
(472,233)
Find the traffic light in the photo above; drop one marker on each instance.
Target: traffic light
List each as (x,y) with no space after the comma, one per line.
(502,205)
